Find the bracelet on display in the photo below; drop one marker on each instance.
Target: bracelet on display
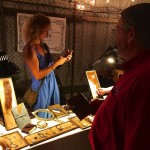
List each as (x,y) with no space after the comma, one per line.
(48,133)
(61,127)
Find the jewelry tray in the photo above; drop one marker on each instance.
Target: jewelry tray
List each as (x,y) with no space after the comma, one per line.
(58,110)
(84,123)
(49,133)
(14,140)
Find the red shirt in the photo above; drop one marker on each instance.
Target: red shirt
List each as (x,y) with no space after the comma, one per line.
(122,122)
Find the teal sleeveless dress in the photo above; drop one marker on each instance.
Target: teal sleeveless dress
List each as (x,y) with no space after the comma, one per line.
(49,92)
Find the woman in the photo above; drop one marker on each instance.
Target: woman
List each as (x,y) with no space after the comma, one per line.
(116,75)
(103,91)
(38,60)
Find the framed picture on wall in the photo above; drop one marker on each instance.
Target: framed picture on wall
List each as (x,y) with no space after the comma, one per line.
(56,35)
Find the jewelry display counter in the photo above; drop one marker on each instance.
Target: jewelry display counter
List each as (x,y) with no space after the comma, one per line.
(53,128)
(56,134)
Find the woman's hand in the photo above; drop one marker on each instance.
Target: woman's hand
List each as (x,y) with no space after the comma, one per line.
(69,54)
(102,91)
(61,60)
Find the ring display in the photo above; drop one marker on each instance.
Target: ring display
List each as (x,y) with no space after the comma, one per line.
(84,123)
(48,133)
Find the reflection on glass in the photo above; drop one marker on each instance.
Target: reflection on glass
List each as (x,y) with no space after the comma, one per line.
(43,114)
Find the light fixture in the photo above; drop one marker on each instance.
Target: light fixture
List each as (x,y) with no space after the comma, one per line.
(111,60)
(82,4)
(92,2)
(80,7)
(110,52)
(107,1)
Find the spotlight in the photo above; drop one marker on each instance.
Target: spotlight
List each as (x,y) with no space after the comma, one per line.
(111,60)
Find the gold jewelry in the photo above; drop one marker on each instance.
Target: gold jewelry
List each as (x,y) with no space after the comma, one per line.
(52,131)
(41,124)
(42,135)
(47,133)
(43,110)
(59,127)
(13,145)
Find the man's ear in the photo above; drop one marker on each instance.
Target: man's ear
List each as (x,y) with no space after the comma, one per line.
(131,35)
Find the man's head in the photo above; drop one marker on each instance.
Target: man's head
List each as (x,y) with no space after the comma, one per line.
(138,16)
(135,26)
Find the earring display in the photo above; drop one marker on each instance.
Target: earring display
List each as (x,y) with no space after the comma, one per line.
(84,123)
(14,140)
(8,100)
(58,110)
(49,133)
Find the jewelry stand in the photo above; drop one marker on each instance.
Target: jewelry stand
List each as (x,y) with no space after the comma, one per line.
(49,133)
(8,100)
(93,82)
(14,140)
(58,110)
(84,123)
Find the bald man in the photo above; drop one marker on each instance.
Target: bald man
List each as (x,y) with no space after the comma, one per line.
(122,121)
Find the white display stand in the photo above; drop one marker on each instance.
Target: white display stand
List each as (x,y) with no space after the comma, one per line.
(73,140)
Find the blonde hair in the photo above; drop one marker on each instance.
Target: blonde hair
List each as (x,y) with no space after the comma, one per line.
(35,26)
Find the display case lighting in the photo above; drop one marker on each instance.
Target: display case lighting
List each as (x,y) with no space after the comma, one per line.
(107,1)
(81,5)
(92,2)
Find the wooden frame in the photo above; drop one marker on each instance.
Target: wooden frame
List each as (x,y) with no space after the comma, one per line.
(14,140)
(93,82)
(8,100)
(56,36)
